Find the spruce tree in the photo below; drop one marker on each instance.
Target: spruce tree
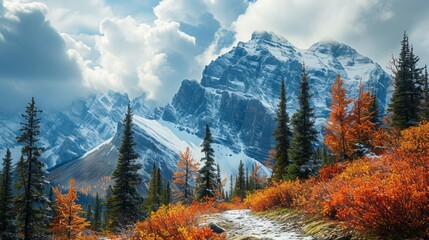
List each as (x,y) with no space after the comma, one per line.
(159,186)
(31,204)
(406,99)
(240,183)
(96,223)
(125,198)
(374,109)
(207,180)
(89,214)
(218,180)
(107,215)
(231,187)
(425,97)
(153,201)
(282,134)
(304,133)
(166,194)
(8,227)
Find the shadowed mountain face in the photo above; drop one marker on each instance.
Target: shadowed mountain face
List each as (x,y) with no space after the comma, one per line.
(237,96)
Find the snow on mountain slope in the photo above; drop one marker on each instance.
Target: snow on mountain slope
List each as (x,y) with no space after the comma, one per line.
(69,133)
(158,143)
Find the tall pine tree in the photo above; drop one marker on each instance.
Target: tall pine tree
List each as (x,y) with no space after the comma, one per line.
(125,201)
(304,133)
(240,184)
(207,180)
(406,99)
(153,200)
(96,223)
(425,104)
(31,204)
(374,109)
(8,228)
(282,134)
(166,194)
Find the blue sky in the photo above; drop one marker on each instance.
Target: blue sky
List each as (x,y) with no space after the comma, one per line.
(60,50)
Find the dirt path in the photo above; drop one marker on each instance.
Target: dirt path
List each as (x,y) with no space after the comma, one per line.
(242,223)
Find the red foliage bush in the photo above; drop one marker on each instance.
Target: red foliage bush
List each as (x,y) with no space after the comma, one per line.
(388,195)
(176,222)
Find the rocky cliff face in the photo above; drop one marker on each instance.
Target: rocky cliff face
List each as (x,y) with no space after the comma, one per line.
(239,91)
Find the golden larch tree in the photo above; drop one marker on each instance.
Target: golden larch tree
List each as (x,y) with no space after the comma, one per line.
(68,224)
(185,176)
(362,129)
(338,124)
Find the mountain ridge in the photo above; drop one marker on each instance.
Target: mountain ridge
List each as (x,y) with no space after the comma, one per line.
(237,96)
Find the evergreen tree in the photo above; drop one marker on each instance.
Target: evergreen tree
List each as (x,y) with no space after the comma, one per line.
(304,134)
(406,99)
(338,124)
(107,215)
(166,194)
(282,134)
(96,223)
(8,229)
(31,204)
(231,188)
(89,214)
(207,180)
(425,97)
(219,182)
(159,186)
(153,201)
(125,198)
(240,183)
(374,109)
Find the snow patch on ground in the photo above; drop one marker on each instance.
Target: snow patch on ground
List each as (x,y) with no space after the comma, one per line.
(244,223)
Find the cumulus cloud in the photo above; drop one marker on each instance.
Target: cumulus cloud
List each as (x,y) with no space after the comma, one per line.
(34,60)
(78,16)
(373,27)
(136,57)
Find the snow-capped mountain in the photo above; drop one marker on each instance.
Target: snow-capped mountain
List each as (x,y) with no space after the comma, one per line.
(70,133)
(237,96)
(238,93)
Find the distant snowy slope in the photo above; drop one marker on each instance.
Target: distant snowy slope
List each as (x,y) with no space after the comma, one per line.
(158,143)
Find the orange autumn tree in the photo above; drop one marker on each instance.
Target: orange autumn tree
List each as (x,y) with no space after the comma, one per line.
(338,124)
(185,176)
(362,129)
(68,224)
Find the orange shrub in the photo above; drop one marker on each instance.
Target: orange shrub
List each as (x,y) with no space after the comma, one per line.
(279,195)
(329,171)
(384,195)
(176,222)
(415,141)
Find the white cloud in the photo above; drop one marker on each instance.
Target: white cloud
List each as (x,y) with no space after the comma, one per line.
(137,58)
(78,16)
(34,60)
(224,11)
(373,27)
